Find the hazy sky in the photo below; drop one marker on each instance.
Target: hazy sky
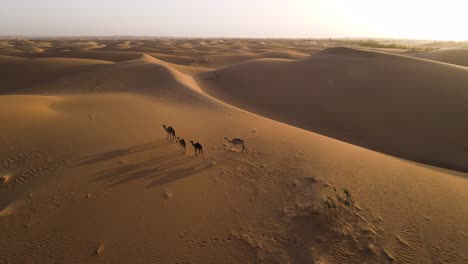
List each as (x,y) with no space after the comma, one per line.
(445,20)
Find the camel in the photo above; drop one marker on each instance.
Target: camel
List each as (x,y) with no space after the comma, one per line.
(182,145)
(236,141)
(170,133)
(198,148)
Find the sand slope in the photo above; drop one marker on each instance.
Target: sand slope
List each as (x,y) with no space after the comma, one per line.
(454,56)
(398,105)
(146,75)
(87,176)
(24,73)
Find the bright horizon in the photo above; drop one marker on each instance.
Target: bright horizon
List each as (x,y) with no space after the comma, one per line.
(429,20)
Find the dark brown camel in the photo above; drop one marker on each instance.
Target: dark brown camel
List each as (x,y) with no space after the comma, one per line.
(182,145)
(170,133)
(198,148)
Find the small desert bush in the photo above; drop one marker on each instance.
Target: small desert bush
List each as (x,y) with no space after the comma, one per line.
(375,44)
(340,199)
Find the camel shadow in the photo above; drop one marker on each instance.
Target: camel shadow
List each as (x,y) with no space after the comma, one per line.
(114,154)
(173,175)
(139,170)
(159,170)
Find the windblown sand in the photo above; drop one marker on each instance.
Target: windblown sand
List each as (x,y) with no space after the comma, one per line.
(88,176)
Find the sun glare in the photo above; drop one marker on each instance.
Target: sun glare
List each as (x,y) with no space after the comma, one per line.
(441,20)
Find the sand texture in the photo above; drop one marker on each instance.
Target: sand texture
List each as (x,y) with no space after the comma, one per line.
(353,155)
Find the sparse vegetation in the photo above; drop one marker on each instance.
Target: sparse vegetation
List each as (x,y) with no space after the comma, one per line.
(375,44)
(343,199)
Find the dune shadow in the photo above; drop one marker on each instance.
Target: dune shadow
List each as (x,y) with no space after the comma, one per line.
(441,169)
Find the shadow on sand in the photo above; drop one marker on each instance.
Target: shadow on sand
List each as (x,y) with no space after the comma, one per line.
(119,153)
(162,169)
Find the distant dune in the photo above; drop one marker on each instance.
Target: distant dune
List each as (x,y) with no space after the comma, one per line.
(217,61)
(6,58)
(398,105)
(202,61)
(24,73)
(147,75)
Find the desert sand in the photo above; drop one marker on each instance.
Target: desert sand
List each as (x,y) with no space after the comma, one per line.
(458,56)
(355,155)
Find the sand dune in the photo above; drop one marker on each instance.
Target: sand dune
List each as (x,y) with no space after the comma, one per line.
(87,175)
(7,48)
(6,58)
(217,61)
(114,56)
(5,44)
(203,62)
(146,75)
(188,52)
(20,74)
(181,63)
(77,45)
(394,104)
(454,56)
